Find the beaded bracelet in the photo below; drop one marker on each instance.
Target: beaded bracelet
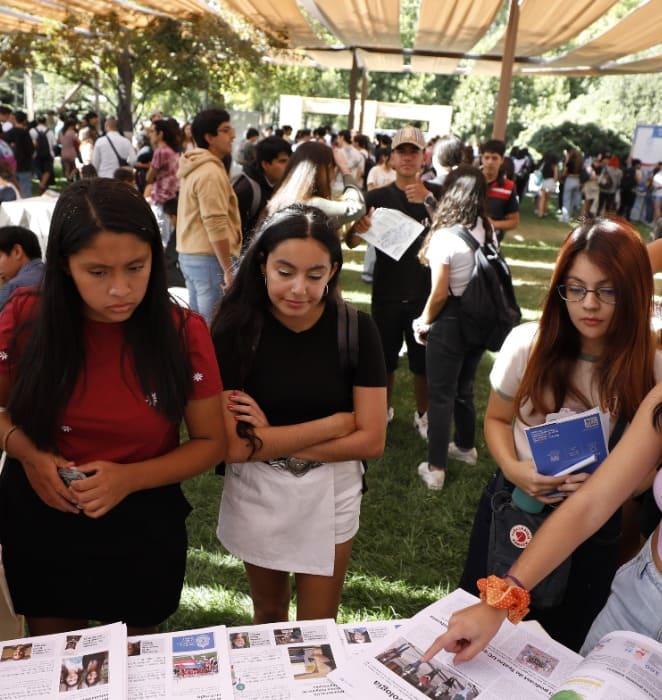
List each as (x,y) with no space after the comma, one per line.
(498,593)
(6,436)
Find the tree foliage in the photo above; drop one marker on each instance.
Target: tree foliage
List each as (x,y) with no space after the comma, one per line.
(586,138)
(129,66)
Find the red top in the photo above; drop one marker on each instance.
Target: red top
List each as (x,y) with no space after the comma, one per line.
(108,417)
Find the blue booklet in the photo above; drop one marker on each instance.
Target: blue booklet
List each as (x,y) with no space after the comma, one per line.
(567,445)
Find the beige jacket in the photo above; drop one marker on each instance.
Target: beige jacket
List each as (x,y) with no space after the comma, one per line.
(208,209)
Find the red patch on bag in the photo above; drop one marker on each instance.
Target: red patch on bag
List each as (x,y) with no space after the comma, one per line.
(520,536)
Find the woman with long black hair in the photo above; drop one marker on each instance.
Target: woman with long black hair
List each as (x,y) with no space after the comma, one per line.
(299,420)
(97,370)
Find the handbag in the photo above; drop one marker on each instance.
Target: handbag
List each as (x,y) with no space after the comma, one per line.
(511,530)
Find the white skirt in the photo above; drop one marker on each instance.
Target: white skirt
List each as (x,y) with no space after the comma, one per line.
(273,519)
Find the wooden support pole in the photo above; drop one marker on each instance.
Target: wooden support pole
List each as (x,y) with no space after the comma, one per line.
(505,85)
(364,92)
(353,83)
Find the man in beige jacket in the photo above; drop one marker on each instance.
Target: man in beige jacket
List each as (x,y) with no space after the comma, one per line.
(208,220)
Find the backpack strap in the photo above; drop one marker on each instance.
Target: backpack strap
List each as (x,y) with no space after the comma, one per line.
(463,233)
(348,336)
(117,155)
(256,190)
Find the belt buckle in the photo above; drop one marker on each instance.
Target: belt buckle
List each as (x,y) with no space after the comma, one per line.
(297,465)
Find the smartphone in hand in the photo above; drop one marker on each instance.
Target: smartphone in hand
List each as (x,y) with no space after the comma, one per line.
(68,475)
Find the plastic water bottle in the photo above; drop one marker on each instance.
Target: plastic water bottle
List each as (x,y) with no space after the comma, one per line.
(525,502)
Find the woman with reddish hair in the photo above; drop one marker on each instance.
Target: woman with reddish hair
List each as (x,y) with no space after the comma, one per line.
(593,346)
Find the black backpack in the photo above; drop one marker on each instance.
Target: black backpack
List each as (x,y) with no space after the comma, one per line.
(43,149)
(488,307)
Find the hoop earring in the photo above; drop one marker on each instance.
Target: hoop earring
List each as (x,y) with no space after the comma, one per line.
(326,291)
(264,277)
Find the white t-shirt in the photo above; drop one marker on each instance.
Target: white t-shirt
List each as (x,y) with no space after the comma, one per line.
(447,248)
(508,370)
(379,177)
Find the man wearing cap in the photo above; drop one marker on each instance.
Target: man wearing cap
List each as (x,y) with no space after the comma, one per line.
(400,288)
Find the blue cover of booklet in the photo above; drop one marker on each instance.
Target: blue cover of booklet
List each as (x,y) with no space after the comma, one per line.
(568,445)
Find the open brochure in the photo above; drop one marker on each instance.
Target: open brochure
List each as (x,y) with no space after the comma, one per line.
(569,442)
(358,638)
(89,664)
(284,661)
(193,664)
(623,665)
(521,663)
(392,231)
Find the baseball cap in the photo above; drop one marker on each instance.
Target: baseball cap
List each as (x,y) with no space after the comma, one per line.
(408,134)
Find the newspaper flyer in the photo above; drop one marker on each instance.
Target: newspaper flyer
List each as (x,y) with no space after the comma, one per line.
(392,231)
(285,661)
(357,638)
(520,664)
(190,664)
(623,666)
(89,664)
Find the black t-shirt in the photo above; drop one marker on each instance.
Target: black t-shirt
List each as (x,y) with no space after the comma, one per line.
(405,279)
(21,142)
(296,377)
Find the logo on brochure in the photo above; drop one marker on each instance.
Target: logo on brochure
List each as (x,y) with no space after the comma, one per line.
(520,536)
(592,422)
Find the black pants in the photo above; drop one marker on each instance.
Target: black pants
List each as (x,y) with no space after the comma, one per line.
(451,370)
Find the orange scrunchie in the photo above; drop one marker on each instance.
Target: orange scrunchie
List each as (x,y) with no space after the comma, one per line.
(499,593)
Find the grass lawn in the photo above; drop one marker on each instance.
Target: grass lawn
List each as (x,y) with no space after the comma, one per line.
(411,545)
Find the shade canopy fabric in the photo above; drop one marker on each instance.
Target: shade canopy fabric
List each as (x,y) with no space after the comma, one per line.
(448,33)
(450,36)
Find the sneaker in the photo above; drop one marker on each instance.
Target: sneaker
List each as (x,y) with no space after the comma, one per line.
(433,478)
(469,456)
(390,414)
(421,424)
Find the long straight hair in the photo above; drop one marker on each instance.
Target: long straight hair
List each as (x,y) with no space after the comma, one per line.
(54,356)
(624,372)
(240,317)
(306,175)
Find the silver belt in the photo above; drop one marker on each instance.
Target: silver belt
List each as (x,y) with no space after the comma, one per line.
(294,465)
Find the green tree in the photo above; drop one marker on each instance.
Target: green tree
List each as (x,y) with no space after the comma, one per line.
(129,66)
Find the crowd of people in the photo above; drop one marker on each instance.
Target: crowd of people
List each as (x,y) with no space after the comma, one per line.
(276,377)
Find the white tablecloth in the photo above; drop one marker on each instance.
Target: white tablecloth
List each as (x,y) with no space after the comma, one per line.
(34,213)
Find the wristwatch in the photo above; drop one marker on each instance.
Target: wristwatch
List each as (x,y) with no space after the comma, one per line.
(430,201)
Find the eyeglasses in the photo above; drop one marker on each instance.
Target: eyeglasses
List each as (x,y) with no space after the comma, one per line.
(576,292)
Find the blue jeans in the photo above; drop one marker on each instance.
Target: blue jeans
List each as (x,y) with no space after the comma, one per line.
(635,603)
(25,181)
(204,278)
(572,197)
(451,366)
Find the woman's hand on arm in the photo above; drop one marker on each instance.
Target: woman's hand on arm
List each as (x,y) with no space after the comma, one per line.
(499,417)
(281,440)
(108,483)
(368,438)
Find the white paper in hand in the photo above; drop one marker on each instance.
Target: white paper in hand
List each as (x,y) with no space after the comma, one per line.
(392,231)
